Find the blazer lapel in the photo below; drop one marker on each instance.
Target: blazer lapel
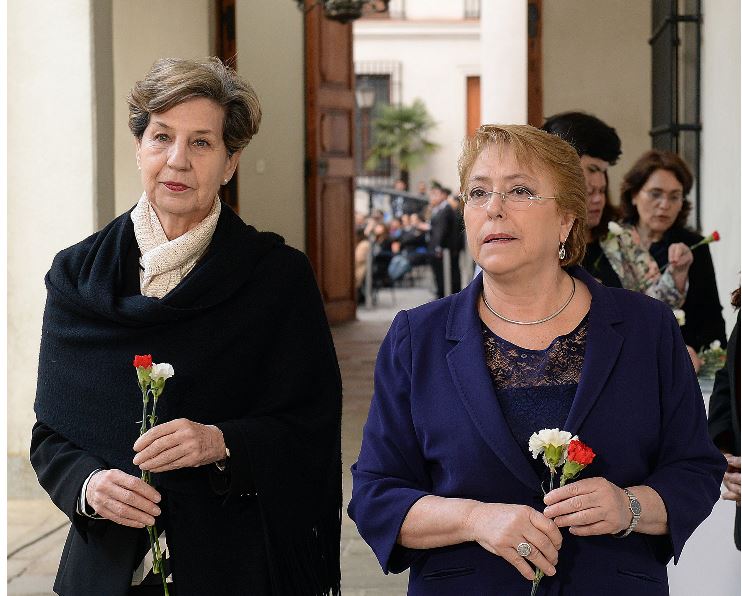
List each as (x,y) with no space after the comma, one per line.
(466,363)
(601,352)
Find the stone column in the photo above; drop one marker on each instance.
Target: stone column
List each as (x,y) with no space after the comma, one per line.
(51,181)
(504,61)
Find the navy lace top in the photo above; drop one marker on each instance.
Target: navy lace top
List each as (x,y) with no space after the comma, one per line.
(535,388)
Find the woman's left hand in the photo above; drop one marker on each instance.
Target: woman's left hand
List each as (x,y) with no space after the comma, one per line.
(589,507)
(177,444)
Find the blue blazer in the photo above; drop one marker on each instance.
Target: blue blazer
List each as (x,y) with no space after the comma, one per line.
(435,427)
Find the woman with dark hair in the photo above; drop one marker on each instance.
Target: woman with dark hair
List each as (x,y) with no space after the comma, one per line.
(246,459)
(654,202)
(599,147)
(613,255)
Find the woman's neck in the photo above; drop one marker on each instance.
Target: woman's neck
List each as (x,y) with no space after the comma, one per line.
(646,235)
(527,297)
(175,226)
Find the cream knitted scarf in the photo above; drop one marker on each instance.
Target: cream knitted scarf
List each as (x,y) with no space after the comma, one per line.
(164,263)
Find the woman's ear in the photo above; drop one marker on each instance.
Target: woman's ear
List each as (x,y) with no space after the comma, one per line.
(568,220)
(231,165)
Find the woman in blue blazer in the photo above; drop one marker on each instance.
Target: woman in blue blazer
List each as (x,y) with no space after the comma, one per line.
(445,484)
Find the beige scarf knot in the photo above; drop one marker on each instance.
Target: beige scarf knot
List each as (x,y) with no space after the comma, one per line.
(164,263)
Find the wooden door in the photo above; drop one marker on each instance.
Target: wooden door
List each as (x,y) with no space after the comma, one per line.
(329,168)
(473,105)
(225,40)
(535,65)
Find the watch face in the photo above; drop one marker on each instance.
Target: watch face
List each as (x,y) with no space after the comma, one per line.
(635,506)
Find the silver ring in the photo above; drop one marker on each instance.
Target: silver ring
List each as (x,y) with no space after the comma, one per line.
(524,549)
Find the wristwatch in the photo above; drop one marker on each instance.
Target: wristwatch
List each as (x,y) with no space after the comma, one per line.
(221,465)
(636,510)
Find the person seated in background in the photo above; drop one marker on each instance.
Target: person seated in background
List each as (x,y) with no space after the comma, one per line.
(395,229)
(381,248)
(724,412)
(400,184)
(409,249)
(654,202)
(614,255)
(362,248)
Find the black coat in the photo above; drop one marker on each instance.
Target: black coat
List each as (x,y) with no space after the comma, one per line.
(247,335)
(443,231)
(704,322)
(724,409)
(598,265)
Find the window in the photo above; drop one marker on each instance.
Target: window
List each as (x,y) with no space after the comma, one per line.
(472,8)
(380,84)
(384,79)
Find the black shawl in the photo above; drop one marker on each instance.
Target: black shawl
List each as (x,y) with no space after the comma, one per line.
(247,335)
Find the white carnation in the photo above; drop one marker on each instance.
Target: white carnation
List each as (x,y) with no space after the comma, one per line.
(680,316)
(162,371)
(715,345)
(614,228)
(548,436)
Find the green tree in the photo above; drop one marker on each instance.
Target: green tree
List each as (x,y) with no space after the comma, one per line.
(399,132)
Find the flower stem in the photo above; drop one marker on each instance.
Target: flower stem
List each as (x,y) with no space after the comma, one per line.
(154,542)
(536,581)
(145,399)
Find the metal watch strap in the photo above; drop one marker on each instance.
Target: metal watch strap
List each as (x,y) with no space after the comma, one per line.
(222,464)
(633,503)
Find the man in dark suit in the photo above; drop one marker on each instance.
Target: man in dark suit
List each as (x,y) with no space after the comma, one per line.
(442,235)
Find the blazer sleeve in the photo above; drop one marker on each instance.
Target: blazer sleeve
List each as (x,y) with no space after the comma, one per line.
(389,476)
(703,311)
(61,468)
(689,468)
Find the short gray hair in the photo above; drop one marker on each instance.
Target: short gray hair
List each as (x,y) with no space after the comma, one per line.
(172,81)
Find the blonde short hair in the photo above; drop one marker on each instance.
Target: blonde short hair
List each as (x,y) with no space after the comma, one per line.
(172,81)
(537,149)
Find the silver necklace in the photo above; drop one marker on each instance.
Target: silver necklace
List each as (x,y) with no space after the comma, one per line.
(549,318)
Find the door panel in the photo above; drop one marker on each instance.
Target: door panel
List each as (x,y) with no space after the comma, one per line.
(329,116)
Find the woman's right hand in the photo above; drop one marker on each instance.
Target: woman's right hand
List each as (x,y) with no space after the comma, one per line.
(122,498)
(679,259)
(500,528)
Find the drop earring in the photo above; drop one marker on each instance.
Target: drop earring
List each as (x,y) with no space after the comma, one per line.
(562,251)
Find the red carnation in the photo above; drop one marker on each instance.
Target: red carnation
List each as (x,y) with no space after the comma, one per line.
(143,361)
(715,236)
(580,453)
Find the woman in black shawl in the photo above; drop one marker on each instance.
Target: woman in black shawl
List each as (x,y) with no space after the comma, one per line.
(246,458)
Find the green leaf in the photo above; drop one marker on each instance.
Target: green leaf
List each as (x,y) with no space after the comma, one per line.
(399,133)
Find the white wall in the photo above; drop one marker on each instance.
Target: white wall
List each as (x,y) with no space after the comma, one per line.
(143,31)
(270,45)
(436,58)
(720,142)
(596,59)
(50,182)
(433,9)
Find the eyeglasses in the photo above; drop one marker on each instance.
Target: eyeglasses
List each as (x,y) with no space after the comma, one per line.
(518,198)
(655,195)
